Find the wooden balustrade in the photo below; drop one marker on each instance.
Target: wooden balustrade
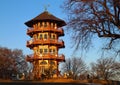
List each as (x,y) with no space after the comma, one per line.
(47,56)
(59,43)
(31,31)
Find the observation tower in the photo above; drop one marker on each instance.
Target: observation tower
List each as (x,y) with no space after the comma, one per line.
(44,31)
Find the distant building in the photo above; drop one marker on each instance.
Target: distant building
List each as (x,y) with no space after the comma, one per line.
(45,30)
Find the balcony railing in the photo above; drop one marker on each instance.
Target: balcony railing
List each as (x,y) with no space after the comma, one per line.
(47,56)
(59,31)
(59,43)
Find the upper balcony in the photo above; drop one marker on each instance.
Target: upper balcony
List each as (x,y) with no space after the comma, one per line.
(48,56)
(31,31)
(33,42)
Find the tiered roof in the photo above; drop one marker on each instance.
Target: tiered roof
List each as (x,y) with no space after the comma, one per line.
(45,16)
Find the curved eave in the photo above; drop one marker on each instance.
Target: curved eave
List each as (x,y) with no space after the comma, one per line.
(31,22)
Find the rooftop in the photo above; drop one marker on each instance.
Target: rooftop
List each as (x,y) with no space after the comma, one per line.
(45,16)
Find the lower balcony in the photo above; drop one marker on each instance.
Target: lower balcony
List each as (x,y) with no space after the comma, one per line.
(48,56)
(34,42)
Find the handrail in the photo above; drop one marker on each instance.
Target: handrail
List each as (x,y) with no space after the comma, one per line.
(59,41)
(33,56)
(44,29)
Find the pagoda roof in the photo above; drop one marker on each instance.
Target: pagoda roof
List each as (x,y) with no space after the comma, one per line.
(45,16)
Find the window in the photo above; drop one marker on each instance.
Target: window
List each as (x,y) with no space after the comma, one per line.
(40,36)
(42,68)
(40,24)
(41,51)
(50,50)
(52,63)
(53,50)
(45,50)
(51,25)
(53,36)
(45,36)
(45,25)
(50,36)
(43,63)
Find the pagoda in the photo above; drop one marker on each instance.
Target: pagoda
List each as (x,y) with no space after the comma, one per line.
(44,31)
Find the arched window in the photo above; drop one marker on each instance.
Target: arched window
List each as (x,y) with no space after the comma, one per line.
(40,36)
(45,36)
(43,63)
(45,50)
(45,25)
(39,25)
(50,50)
(41,51)
(53,50)
(53,36)
(51,25)
(52,63)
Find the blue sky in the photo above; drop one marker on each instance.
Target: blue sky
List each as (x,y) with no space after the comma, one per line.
(13,15)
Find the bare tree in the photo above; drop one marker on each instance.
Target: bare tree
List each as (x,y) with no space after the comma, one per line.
(88,18)
(106,68)
(19,57)
(11,62)
(5,63)
(73,67)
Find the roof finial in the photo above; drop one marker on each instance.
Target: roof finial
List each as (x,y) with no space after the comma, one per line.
(46,6)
